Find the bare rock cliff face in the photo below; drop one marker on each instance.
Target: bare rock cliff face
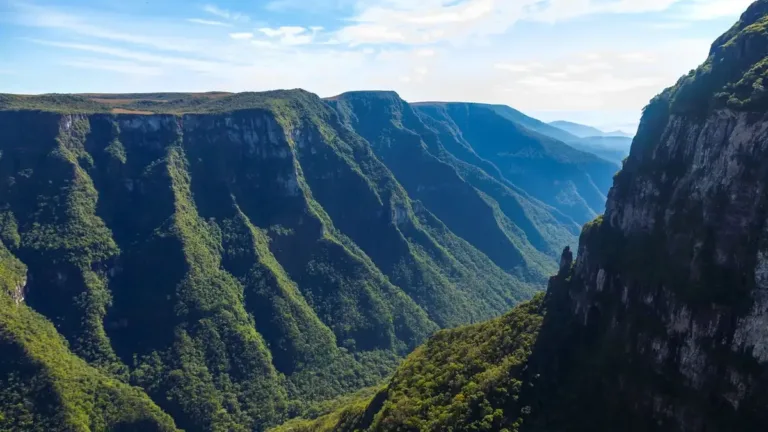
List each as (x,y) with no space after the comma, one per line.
(671,286)
(662,322)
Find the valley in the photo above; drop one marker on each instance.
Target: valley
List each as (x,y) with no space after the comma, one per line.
(241,257)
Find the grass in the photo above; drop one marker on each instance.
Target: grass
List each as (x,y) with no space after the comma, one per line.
(155,103)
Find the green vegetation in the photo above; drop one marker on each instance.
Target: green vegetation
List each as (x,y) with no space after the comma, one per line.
(571,181)
(249,258)
(467,379)
(53,102)
(278,101)
(46,387)
(732,76)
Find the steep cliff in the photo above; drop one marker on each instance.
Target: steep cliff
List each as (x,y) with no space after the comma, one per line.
(669,291)
(236,258)
(661,321)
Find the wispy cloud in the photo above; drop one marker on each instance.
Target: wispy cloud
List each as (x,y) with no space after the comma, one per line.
(434,21)
(425,53)
(226,14)
(518,67)
(208,22)
(311,6)
(50,18)
(638,57)
(712,9)
(138,56)
(240,36)
(605,83)
(671,25)
(122,67)
(291,35)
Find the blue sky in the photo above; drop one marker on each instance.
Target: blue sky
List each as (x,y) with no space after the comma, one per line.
(592,61)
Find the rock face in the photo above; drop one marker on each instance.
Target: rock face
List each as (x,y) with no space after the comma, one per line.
(669,294)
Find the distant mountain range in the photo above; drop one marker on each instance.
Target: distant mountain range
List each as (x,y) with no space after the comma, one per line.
(584,131)
(611,146)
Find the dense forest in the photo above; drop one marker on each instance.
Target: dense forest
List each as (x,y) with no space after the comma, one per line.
(230,261)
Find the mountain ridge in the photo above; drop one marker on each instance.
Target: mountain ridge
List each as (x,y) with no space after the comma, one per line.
(586,131)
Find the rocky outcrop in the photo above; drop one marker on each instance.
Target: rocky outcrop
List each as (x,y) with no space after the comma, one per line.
(17,294)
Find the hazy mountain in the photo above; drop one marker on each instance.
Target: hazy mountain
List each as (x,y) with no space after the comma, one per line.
(614,149)
(533,124)
(579,130)
(584,131)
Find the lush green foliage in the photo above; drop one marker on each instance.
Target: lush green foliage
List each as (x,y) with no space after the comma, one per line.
(45,387)
(467,379)
(732,76)
(51,102)
(243,268)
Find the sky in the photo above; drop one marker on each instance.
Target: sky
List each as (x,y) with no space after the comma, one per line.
(597,62)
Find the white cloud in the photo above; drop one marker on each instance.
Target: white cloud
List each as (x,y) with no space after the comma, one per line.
(226,14)
(290,35)
(240,36)
(638,57)
(137,56)
(712,9)
(561,10)
(433,21)
(264,44)
(599,84)
(208,22)
(599,80)
(369,33)
(671,25)
(581,68)
(518,67)
(35,16)
(425,53)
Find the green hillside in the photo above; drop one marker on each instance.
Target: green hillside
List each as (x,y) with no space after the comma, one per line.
(468,379)
(572,181)
(45,387)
